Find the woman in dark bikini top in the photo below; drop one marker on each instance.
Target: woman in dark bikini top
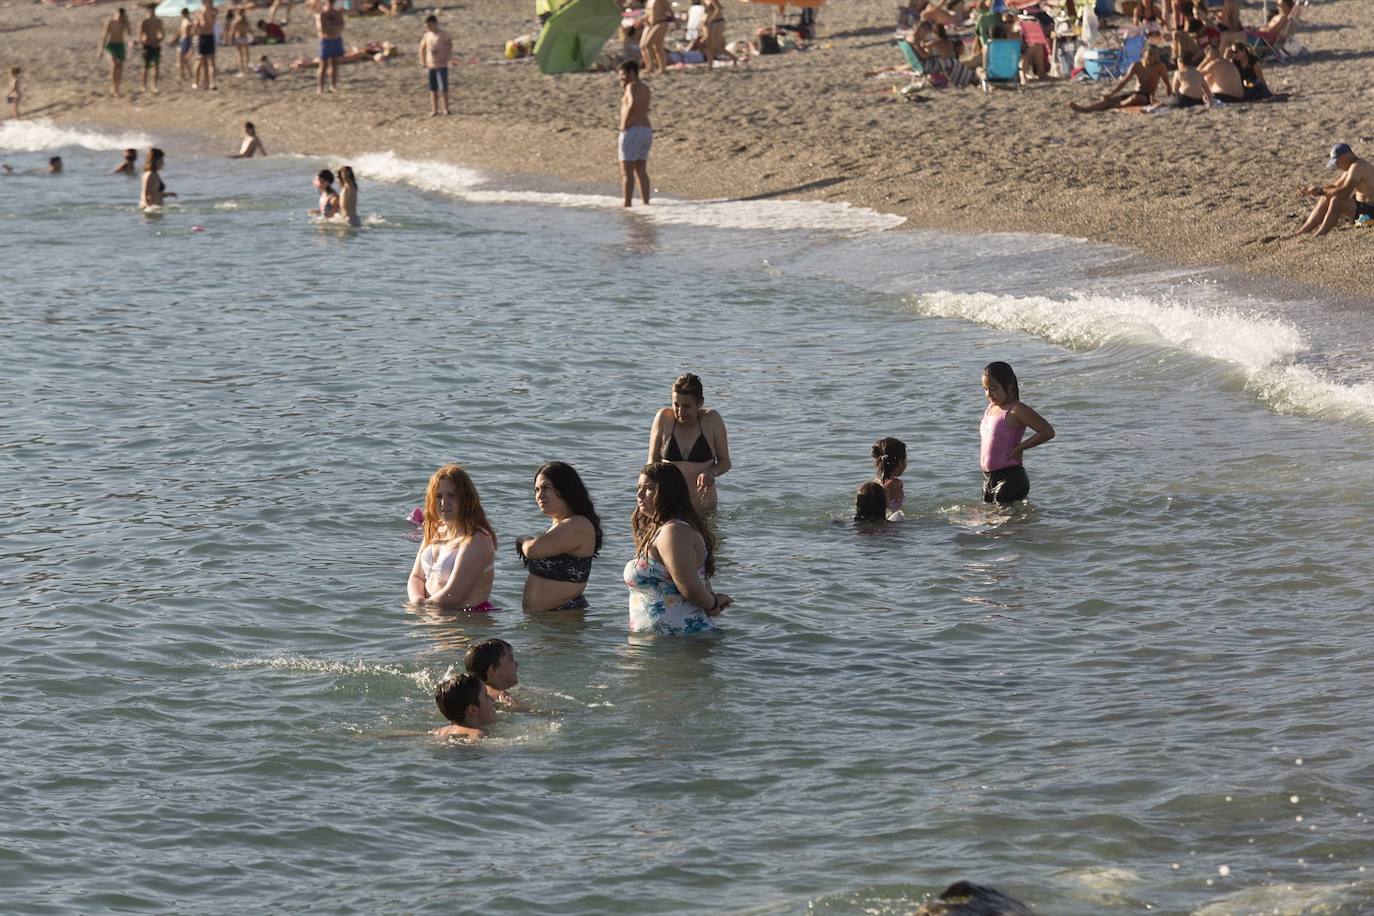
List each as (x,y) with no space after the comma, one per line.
(559,561)
(701,457)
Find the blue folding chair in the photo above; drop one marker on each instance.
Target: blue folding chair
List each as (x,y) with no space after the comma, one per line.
(1132,50)
(1002,63)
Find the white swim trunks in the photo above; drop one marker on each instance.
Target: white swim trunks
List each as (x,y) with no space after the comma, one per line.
(635,142)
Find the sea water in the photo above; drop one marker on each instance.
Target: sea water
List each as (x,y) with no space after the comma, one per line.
(1147,688)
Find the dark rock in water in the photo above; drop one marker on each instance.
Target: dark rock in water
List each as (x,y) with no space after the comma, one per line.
(963,898)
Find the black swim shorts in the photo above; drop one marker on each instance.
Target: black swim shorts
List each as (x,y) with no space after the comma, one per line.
(1005,485)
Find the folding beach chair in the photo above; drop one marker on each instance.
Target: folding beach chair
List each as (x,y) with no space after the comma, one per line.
(1002,63)
(1132,50)
(1277,48)
(912,60)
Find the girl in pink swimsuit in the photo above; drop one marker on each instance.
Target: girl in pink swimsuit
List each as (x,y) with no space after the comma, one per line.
(1004,423)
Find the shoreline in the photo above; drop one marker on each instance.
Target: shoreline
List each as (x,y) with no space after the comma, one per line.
(962,161)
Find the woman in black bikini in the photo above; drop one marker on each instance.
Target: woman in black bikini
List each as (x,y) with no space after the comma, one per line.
(693,438)
(153,190)
(560,560)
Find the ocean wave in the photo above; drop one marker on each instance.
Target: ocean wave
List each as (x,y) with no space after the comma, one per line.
(471,185)
(1266,349)
(42,134)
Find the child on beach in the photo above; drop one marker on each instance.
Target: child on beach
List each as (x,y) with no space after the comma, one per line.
(492,661)
(889,463)
(464,702)
(1004,423)
(15,95)
(329,198)
(870,502)
(264,68)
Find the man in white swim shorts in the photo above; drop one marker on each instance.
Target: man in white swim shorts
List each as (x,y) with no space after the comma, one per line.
(636,133)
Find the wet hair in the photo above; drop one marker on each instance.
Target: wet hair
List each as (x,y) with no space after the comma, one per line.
(154,159)
(471,517)
(455,694)
(55,160)
(130,155)
(573,492)
(326,176)
(482,656)
(672,500)
(870,502)
(346,176)
(630,66)
(687,383)
(888,455)
(1003,375)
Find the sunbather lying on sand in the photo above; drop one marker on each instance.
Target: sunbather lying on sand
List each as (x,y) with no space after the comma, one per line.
(1148,72)
(375,51)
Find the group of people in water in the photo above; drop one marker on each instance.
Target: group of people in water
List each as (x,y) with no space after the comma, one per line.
(669,577)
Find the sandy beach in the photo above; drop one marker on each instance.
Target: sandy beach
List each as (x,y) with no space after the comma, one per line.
(1188,187)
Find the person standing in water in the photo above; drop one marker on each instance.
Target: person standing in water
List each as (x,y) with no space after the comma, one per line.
(636,134)
(154,192)
(252,146)
(329,198)
(692,437)
(436,47)
(889,463)
(112,42)
(560,560)
(150,35)
(205,46)
(1004,423)
(348,196)
(130,164)
(455,565)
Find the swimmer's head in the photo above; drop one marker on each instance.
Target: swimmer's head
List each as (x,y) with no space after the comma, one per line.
(324,179)
(153,160)
(130,155)
(687,399)
(661,495)
(889,457)
(1000,385)
(452,486)
(55,164)
(870,503)
(462,701)
(567,487)
(346,176)
(492,662)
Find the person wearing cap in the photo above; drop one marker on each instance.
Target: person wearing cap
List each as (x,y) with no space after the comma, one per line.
(1350,196)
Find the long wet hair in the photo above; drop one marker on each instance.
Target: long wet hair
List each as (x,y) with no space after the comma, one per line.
(471,517)
(154,159)
(327,177)
(870,502)
(888,455)
(574,492)
(672,500)
(1003,375)
(346,176)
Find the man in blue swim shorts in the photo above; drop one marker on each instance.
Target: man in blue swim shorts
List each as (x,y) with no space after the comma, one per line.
(329,22)
(636,133)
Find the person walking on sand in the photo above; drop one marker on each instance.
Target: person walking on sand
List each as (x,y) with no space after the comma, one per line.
(205,47)
(657,15)
(329,22)
(15,95)
(112,42)
(150,34)
(252,146)
(1351,196)
(636,134)
(436,47)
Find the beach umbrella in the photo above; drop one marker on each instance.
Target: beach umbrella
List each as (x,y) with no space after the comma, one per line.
(574,35)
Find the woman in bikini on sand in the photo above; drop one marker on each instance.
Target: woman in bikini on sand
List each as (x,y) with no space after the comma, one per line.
(1148,72)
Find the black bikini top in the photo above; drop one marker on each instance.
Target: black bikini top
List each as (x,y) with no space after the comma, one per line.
(701,449)
(561,568)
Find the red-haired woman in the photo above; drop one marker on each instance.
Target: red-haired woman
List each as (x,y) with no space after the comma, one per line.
(455,565)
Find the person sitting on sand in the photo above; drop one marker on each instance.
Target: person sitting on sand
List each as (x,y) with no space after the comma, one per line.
(264,68)
(1189,87)
(130,164)
(272,34)
(252,145)
(112,37)
(947,13)
(1251,73)
(1148,72)
(1350,196)
(492,661)
(1223,79)
(153,191)
(15,94)
(941,55)
(466,704)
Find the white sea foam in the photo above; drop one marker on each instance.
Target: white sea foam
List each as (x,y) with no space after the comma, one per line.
(1265,349)
(467,184)
(42,134)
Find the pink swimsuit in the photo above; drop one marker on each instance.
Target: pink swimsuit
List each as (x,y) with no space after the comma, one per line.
(1001,433)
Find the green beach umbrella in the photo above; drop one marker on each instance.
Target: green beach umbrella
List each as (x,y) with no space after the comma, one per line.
(575,34)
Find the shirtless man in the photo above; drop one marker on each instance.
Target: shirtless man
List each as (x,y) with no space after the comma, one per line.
(1351,196)
(1148,72)
(205,46)
(636,134)
(1223,79)
(329,23)
(252,146)
(186,42)
(150,34)
(436,47)
(112,42)
(657,15)
(1189,87)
